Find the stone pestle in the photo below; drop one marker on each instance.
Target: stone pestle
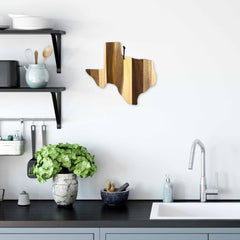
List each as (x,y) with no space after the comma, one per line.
(122,188)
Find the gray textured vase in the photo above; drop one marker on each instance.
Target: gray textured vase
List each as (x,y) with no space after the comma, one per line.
(65,188)
(37,75)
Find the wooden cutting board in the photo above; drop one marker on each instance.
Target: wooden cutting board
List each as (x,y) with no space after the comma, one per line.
(131,76)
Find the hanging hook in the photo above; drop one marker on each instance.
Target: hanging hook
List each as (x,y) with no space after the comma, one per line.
(124,48)
(22,128)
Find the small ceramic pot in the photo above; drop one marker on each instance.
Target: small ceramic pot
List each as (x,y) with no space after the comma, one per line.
(65,188)
(37,75)
(23,199)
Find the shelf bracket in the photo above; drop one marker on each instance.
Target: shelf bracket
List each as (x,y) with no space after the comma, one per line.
(57,99)
(57,40)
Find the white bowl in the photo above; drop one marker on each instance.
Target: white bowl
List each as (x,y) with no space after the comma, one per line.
(27,22)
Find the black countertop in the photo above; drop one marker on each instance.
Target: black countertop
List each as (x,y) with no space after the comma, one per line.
(94,214)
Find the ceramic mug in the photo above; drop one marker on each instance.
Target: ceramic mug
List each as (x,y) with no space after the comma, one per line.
(37,75)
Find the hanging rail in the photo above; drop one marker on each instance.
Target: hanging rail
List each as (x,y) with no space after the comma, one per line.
(28,119)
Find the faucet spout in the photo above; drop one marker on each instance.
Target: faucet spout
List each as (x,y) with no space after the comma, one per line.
(203,185)
(192,155)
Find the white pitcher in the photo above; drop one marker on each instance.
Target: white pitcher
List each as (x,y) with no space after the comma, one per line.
(37,75)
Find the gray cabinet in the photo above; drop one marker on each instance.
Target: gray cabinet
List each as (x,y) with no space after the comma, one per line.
(149,236)
(224,236)
(49,234)
(119,233)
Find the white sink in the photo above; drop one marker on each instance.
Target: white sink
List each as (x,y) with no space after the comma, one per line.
(187,210)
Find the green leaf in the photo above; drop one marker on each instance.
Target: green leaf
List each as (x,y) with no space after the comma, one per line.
(52,158)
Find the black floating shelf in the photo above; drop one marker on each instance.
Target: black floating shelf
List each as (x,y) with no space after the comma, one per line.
(56,40)
(56,93)
(41,31)
(27,89)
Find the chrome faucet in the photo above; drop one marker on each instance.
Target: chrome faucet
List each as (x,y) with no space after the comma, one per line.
(203,185)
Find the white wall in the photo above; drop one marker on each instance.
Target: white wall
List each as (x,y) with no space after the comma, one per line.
(195,46)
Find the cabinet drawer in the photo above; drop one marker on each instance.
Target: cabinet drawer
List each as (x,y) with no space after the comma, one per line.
(154,236)
(54,236)
(227,236)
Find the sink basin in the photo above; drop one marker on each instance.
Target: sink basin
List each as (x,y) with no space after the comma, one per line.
(191,210)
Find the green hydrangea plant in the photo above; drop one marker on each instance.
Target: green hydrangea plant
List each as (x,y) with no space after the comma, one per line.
(63,158)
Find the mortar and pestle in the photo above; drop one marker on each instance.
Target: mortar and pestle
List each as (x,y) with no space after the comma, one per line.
(114,196)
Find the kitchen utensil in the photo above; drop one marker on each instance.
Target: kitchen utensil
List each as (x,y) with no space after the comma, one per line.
(33,161)
(37,75)
(47,52)
(44,135)
(9,73)
(122,188)
(114,198)
(23,199)
(2,195)
(28,22)
(36,57)
(29,55)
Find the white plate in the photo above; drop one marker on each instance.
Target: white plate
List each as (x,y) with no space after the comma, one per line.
(26,22)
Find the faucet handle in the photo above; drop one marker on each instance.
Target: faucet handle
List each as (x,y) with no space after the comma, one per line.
(213,191)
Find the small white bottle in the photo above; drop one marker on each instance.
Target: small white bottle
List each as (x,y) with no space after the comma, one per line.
(168,191)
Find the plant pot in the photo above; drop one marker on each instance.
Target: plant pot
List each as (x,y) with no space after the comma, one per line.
(65,188)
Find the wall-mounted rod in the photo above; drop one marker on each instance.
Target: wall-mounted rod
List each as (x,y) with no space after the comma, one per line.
(28,119)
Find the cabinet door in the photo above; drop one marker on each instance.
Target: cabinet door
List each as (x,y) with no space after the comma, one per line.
(227,236)
(61,236)
(154,236)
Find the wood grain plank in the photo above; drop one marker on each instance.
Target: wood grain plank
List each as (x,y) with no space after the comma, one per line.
(149,75)
(137,79)
(127,80)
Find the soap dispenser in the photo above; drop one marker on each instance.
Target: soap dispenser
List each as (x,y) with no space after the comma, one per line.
(168,191)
